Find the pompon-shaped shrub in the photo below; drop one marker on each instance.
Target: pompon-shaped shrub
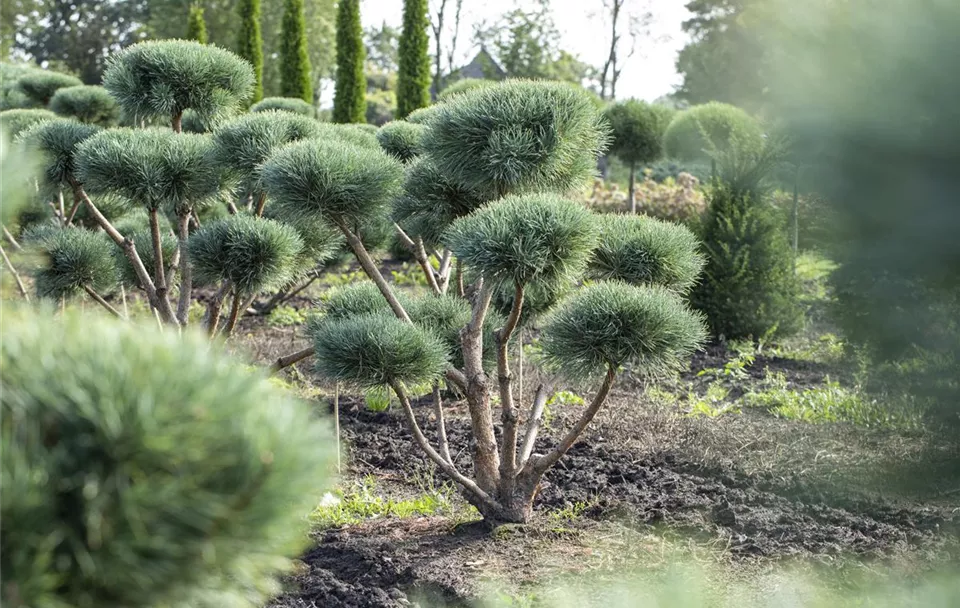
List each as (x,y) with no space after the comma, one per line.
(56,143)
(377,350)
(12,96)
(71,260)
(140,468)
(646,251)
(140,235)
(422,116)
(695,133)
(41,85)
(242,145)
(162,78)
(364,136)
(464,85)
(340,182)
(611,324)
(152,167)
(285,104)
(255,254)
(402,140)
(430,201)
(192,122)
(87,103)
(445,315)
(525,238)
(14,122)
(517,137)
(361,298)
(638,129)
(321,241)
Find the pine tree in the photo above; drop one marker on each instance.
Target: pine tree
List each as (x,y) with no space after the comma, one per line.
(295,79)
(250,42)
(413,81)
(349,102)
(196,26)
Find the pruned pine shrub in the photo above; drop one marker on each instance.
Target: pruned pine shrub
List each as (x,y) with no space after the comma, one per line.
(12,96)
(40,85)
(160,79)
(637,129)
(421,116)
(702,131)
(14,122)
(645,251)
(286,104)
(56,141)
(402,140)
(73,260)
(142,469)
(86,103)
(462,86)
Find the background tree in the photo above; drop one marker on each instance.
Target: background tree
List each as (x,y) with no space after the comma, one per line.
(638,129)
(382,45)
(349,102)
(196,26)
(295,75)
(249,43)
(621,18)
(438,26)
(413,80)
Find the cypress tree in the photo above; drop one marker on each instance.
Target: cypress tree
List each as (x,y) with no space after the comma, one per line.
(349,101)
(196,26)
(250,42)
(295,80)
(413,81)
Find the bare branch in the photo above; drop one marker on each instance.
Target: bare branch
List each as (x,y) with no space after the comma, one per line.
(508,412)
(99,300)
(366,262)
(289,360)
(533,424)
(9,237)
(186,270)
(16,275)
(420,254)
(441,425)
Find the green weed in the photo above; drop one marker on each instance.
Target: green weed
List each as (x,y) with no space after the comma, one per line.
(286,316)
(712,404)
(377,399)
(361,503)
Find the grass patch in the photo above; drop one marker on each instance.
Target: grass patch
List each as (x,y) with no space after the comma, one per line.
(286,316)
(362,502)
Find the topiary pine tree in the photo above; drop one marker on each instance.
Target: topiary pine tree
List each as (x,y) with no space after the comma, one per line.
(503,167)
(86,103)
(701,132)
(638,129)
(295,75)
(250,43)
(13,122)
(401,139)
(413,79)
(73,260)
(349,98)
(464,85)
(287,104)
(40,85)
(226,466)
(196,25)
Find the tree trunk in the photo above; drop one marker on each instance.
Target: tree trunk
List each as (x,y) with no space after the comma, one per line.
(632,189)
(177,122)
(366,262)
(186,270)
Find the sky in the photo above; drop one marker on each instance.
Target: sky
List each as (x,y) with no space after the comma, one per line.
(649,74)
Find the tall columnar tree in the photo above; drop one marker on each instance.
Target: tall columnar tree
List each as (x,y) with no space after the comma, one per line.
(295,75)
(349,101)
(196,25)
(250,43)
(638,129)
(413,80)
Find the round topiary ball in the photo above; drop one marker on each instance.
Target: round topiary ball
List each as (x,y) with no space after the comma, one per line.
(163,78)
(86,103)
(376,350)
(430,202)
(341,183)
(285,104)
(422,116)
(41,85)
(56,142)
(526,238)
(646,251)
(72,259)
(519,136)
(142,468)
(638,129)
(402,140)
(364,136)
(464,85)
(255,254)
(694,133)
(362,298)
(611,324)
(14,122)
(152,167)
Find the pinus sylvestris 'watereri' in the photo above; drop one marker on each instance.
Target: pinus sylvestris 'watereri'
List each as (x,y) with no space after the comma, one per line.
(701,131)
(40,85)
(224,468)
(638,129)
(86,103)
(13,122)
(349,97)
(413,79)
(287,104)
(402,140)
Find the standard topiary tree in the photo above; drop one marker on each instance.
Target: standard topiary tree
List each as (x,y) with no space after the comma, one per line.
(295,76)
(401,139)
(250,44)
(287,104)
(40,85)
(13,122)
(638,129)
(413,79)
(162,79)
(73,260)
(349,98)
(196,25)
(86,103)
(145,468)
(702,131)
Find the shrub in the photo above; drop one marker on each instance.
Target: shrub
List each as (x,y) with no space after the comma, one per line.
(13,122)
(196,25)
(638,130)
(295,77)
(400,139)
(421,116)
(55,142)
(413,79)
(462,86)
(250,44)
(161,79)
(40,85)
(663,170)
(12,96)
(73,260)
(361,298)
(139,468)
(88,104)
(349,102)
(695,133)
(431,201)
(646,251)
(286,104)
